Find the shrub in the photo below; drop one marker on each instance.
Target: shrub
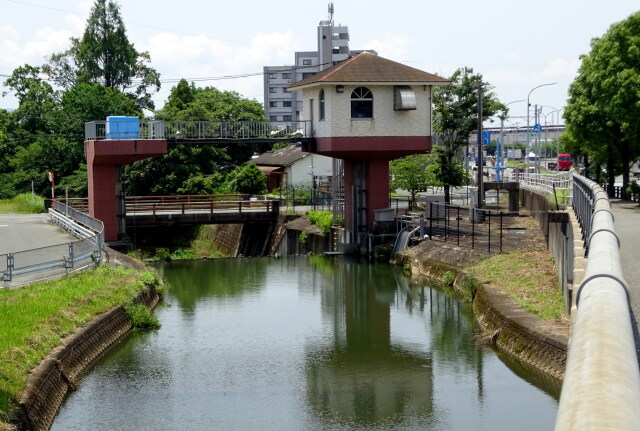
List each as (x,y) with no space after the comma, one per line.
(448,278)
(162,253)
(25,203)
(141,317)
(303,237)
(322,219)
(633,190)
(470,284)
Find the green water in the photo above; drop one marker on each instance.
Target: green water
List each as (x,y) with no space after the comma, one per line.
(304,344)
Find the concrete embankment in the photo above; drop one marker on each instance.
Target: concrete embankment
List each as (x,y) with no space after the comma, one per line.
(536,343)
(59,373)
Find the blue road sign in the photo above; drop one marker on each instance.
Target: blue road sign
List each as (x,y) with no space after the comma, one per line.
(486,137)
(537,128)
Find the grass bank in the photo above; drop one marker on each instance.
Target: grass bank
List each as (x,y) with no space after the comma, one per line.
(529,277)
(25,203)
(34,319)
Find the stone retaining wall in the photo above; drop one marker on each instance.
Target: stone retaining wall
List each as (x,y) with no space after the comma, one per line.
(522,335)
(57,375)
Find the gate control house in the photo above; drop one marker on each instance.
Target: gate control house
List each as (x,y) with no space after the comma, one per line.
(368,110)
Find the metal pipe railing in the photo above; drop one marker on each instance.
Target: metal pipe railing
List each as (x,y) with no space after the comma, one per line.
(232,130)
(601,389)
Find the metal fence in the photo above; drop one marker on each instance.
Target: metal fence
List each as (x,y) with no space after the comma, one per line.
(469,227)
(619,192)
(154,129)
(601,388)
(24,267)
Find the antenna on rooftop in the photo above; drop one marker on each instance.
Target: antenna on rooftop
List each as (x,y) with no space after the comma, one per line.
(331,12)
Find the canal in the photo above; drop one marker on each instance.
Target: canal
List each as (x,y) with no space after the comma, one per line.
(305,343)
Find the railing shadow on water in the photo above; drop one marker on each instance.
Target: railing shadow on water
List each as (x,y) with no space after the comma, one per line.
(45,263)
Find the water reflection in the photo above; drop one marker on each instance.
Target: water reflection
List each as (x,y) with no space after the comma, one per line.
(303,343)
(364,377)
(228,278)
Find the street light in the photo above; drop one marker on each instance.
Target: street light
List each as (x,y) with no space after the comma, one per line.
(500,147)
(546,130)
(528,104)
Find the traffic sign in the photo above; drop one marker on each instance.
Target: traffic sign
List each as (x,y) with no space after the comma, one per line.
(486,137)
(537,128)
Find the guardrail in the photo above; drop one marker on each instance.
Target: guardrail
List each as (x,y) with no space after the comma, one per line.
(546,184)
(29,266)
(155,129)
(601,389)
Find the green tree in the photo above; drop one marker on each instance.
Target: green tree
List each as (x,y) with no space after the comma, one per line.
(455,118)
(603,113)
(104,55)
(413,173)
(195,168)
(247,179)
(89,102)
(36,99)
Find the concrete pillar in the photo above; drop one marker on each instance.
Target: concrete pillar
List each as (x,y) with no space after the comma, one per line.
(104,159)
(514,201)
(102,198)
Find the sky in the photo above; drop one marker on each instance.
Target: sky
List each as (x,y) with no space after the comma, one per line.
(516,46)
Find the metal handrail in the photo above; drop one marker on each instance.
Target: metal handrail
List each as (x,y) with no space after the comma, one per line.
(193,130)
(601,389)
(545,183)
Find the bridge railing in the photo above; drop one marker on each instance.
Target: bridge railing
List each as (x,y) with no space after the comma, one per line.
(24,267)
(194,130)
(601,389)
(547,184)
(155,205)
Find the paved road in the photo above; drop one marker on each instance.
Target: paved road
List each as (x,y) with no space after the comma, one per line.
(19,232)
(627,225)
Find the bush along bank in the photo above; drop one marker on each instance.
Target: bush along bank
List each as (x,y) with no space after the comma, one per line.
(54,330)
(537,343)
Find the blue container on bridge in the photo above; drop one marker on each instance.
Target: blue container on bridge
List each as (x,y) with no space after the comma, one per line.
(122,127)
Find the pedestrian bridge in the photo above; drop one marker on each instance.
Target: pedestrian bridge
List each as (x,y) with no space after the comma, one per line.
(200,131)
(147,211)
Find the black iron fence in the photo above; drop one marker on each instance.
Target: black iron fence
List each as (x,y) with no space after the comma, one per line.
(619,192)
(466,227)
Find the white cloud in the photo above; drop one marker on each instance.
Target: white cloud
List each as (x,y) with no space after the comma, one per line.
(395,47)
(198,56)
(562,67)
(15,52)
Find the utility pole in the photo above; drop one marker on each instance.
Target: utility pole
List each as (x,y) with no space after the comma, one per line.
(480,163)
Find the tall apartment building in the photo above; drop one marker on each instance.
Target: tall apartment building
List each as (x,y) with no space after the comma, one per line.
(333,47)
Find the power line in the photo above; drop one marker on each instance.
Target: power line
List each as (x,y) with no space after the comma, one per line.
(152,27)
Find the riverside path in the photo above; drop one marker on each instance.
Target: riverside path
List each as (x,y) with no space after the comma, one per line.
(627,225)
(20,232)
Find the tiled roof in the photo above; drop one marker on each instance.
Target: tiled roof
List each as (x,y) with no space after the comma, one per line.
(367,67)
(282,157)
